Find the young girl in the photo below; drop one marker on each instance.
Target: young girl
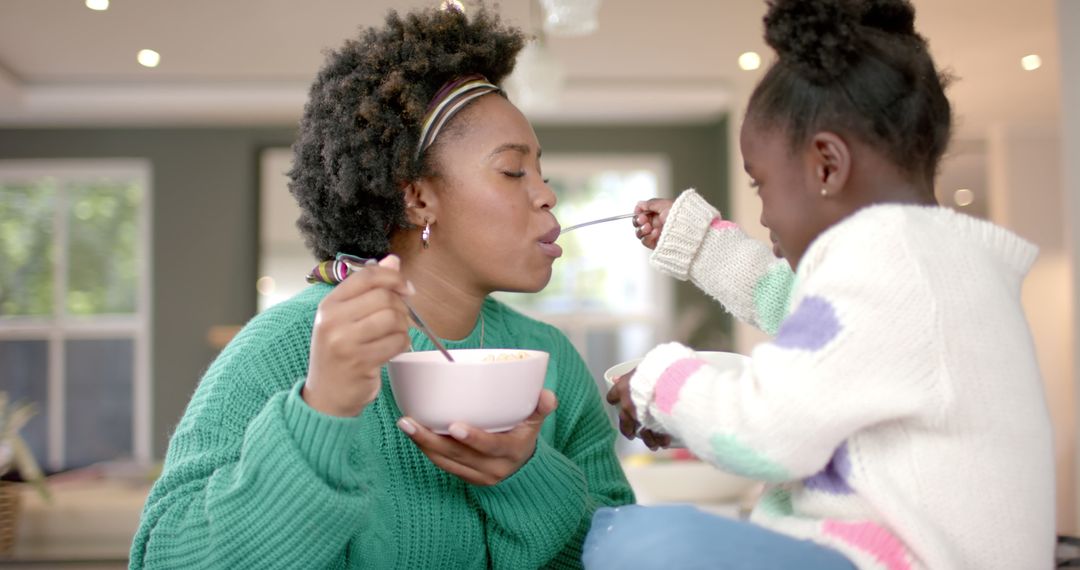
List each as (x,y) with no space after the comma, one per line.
(292,453)
(898,413)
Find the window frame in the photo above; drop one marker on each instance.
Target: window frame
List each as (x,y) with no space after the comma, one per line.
(59,327)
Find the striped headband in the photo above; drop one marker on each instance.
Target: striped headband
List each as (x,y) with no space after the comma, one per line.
(450,99)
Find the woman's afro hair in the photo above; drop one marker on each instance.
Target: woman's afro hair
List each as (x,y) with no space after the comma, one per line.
(358,135)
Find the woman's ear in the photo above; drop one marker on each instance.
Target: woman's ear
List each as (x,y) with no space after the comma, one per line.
(420,202)
(830,162)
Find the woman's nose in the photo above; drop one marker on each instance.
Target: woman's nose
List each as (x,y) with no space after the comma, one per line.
(545,196)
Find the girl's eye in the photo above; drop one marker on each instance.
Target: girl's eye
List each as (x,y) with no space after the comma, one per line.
(514,174)
(547,181)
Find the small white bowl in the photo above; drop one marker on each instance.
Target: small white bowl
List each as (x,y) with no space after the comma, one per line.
(493,389)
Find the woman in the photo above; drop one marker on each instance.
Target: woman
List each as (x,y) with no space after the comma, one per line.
(292,452)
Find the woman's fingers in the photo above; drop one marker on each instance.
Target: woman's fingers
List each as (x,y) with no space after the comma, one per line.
(477,456)
(362,279)
(458,469)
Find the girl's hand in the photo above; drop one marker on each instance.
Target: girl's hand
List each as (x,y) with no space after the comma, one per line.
(360,325)
(650,219)
(619,396)
(479,457)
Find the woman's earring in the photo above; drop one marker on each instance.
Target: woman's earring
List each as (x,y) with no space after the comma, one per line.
(425,235)
(824,191)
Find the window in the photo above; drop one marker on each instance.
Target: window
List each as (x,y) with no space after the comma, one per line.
(75,304)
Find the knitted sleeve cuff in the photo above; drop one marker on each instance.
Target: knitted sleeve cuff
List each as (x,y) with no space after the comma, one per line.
(683,232)
(649,374)
(543,501)
(323,440)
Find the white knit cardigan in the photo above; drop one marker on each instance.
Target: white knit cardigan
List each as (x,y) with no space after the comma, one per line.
(898,413)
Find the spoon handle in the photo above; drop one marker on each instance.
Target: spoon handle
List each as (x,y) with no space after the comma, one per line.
(424,329)
(600,221)
(412,313)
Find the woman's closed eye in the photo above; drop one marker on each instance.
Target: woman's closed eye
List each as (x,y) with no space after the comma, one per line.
(521,174)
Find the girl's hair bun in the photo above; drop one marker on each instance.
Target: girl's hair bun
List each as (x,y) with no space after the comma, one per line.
(822,39)
(890,16)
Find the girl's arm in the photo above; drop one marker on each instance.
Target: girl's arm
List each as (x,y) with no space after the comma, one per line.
(855,352)
(538,517)
(696,244)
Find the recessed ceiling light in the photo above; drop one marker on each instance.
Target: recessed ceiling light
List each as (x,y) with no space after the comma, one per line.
(1031,62)
(963,197)
(149,57)
(452,5)
(749,61)
(98,5)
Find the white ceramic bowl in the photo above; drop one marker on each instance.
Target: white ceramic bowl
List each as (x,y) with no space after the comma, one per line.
(490,388)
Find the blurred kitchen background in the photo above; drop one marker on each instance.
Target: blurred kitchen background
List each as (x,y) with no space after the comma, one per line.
(144,215)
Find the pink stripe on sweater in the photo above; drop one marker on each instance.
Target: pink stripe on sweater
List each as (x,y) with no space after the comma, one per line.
(671,382)
(721,224)
(872,538)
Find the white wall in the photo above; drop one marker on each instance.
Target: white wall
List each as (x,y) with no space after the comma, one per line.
(1068,19)
(1025,191)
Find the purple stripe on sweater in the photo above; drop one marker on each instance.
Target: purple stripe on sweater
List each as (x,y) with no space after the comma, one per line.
(833,478)
(811,326)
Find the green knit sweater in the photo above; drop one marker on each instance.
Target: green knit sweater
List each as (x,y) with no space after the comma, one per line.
(254,478)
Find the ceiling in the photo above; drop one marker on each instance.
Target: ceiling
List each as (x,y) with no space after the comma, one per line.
(250,61)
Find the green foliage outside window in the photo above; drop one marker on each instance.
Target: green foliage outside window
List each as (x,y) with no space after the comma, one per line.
(100,219)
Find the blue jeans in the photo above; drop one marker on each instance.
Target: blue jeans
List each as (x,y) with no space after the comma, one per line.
(683,537)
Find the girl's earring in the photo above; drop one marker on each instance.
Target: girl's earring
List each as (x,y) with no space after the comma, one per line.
(425,235)
(824,191)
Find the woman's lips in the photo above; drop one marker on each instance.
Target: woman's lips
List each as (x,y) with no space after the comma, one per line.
(551,249)
(547,242)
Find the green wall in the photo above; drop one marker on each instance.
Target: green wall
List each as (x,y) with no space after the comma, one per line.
(205,216)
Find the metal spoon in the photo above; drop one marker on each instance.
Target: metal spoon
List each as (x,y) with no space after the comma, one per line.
(412,313)
(600,221)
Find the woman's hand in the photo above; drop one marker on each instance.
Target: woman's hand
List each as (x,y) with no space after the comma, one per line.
(619,396)
(479,457)
(650,219)
(360,325)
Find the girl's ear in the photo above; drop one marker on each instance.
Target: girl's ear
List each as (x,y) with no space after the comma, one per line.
(830,161)
(420,202)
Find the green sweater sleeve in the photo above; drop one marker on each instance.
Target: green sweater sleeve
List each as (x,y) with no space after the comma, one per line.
(254,478)
(538,517)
